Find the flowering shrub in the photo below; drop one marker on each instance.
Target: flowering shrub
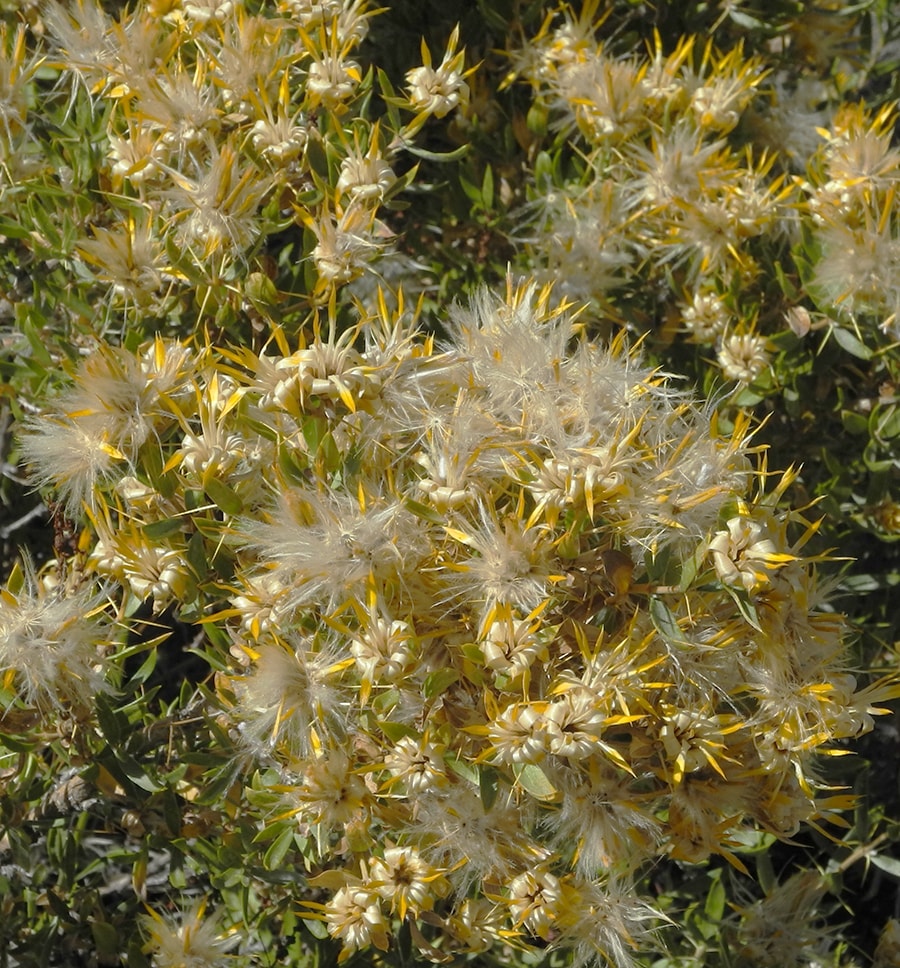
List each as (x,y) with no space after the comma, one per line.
(494,624)
(465,633)
(691,181)
(220,161)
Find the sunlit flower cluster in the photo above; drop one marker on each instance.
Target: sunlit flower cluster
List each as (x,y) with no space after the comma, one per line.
(851,188)
(225,127)
(706,167)
(501,619)
(664,188)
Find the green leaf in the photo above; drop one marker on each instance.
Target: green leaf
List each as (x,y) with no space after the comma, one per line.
(215,786)
(13,230)
(424,511)
(854,423)
(316,158)
(328,453)
(537,118)
(384,83)
(465,769)
(223,496)
(662,567)
(400,185)
(131,770)
(787,286)
(745,20)
(147,667)
(9,742)
(488,784)
(437,682)
(890,865)
(318,929)
(851,343)
(751,841)
(473,192)
(279,848)
(196,556)
(543,169)
(691,567)
(454,155)
(58,906)
(665,623)
(487,188)
(210,528)
(533,779)
(747,397)
(874,459)
(106,940)
(157,530)
(885,422)
(108,722)
(313,430)
(37,340)
(396,731)
(746,608)
(714,907)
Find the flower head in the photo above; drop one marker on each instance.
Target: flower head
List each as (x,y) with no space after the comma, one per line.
(744,554)
(365,176)
(743,356)
(187,939)
(354,917)
(52,641)
(290,699)
(407,881)
(706,317)
(326,548)
(438,90)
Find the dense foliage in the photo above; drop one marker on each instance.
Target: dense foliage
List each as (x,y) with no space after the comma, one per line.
(450,483)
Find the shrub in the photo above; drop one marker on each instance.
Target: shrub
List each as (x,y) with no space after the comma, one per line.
(493,624)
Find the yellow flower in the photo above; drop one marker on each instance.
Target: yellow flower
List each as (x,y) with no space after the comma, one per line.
(345,245)
(723,88)
(518,734)
(418,764)
(136,157)
(383,649)
(83,34)
(365,177)
(187,939)
(73,457)
(535,900)
(706,317)
(354,916)
(406,881)
(330,793)
(218,210)
(743,356)
(205,11)
(290,700)
(507,564)
(51,641)
(129,257)
(437,91)
(744,554)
